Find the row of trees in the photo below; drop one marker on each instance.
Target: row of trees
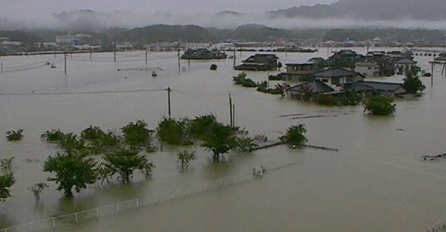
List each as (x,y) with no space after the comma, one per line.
(96,155)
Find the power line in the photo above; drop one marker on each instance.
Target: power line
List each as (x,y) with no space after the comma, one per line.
(82,93)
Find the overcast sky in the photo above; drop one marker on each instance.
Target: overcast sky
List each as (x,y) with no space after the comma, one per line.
(24,7)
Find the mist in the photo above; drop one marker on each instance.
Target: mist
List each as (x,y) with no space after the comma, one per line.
(90,20)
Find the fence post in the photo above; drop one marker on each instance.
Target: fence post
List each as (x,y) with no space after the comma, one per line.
(137,202)
(97,212)
(54,222)
(77,220)
(117,207)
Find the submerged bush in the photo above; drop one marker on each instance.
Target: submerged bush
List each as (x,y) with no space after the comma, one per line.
(14,135)
(380,105)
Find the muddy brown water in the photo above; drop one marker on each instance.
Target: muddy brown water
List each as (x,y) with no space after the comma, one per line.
(376,182)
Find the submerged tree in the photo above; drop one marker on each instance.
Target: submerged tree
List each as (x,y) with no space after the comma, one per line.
(6,164)
(412,83)
(380,105)
(295,135)
(220,139)
(14,135)
(36,189)
(124,163)
(137,134)
(199,127)
(73,170)
(97,141)
(185,157)
(174,132)
(6,182)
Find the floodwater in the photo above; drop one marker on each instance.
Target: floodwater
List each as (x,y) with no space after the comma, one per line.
(376,182)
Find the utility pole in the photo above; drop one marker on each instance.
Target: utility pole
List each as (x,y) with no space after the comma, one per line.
(1,67)
(65,62)
(230,110)
(234,57)
(233,115)
(114,55)
(168,100)
(146,56)
(179,63)
(432,74)
(91,55)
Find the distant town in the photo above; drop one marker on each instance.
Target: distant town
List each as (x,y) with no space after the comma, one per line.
(173,38)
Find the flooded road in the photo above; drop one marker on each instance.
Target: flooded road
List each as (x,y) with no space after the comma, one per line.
(376,182)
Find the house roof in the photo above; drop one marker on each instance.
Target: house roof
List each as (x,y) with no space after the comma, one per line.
(405,61)
(373,86)
(300,64)
(261,58)
(314,86)
(335,72)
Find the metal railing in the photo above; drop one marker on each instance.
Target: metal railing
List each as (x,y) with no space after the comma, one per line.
(437,227)
(107,210)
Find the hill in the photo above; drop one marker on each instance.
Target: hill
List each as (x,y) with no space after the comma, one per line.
(371,10)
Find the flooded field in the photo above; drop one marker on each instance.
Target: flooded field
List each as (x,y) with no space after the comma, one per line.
(376,182)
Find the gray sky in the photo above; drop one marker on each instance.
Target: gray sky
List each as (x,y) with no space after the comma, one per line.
(24,7)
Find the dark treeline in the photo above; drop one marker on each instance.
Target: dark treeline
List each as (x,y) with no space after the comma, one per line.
(251,32)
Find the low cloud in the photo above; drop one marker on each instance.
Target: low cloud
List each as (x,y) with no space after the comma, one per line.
(86,19)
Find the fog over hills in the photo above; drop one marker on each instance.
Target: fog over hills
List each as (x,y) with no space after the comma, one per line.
(424,14)
(372,10)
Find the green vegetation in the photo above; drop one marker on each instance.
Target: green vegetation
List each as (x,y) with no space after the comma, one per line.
(6,182)
(185,157)
(220,139)
(241,79)
(199,126)
(348,98)
(124,162)
(244,142)
(412,83)
(295,135)
(14,135)
(36,190)
(97,141)
(53,136)
(173,132)
(380,105)
(73,170)
(137,134)
(6,164)
(263,87)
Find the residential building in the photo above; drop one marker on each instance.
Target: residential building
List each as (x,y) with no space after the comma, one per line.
(403,64)
(367,69)
(259,62)
(299,72)
(337,76)
(369,88)
(312,87)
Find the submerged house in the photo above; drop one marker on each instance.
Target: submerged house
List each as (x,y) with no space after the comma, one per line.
(403,64)
(203,54)
(337,76)
(369,88)
(313,87)
(367,69)
(259,62)
(299,72)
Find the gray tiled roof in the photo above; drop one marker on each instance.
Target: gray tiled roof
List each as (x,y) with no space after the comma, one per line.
(335,72)
(315,87)
(373,85)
